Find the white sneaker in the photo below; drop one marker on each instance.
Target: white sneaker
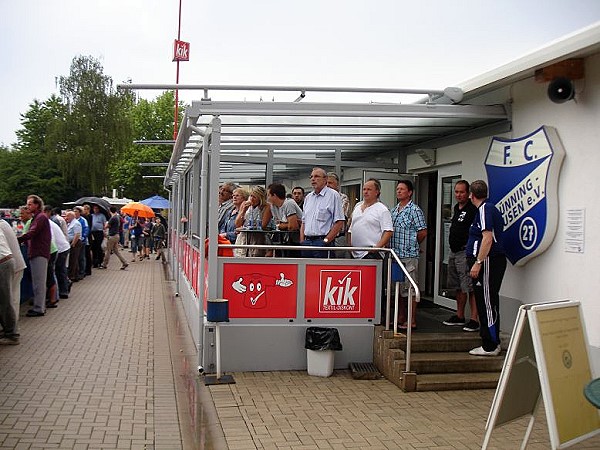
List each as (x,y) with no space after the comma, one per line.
(479,351)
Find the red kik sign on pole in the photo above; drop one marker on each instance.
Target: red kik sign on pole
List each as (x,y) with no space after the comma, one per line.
(181,51)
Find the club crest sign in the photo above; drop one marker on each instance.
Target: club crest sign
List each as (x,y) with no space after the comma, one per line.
(523,184)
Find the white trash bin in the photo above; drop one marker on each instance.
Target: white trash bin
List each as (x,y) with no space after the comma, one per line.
(320,362)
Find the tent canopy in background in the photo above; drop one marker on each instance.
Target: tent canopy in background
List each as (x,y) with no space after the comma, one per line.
(156,202)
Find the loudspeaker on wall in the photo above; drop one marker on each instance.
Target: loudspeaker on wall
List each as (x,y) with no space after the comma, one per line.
(561,90)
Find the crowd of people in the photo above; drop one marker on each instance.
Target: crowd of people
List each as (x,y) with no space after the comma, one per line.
(49,250)
(321,221)
(41,262)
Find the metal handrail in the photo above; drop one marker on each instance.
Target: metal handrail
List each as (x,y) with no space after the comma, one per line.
(412,288)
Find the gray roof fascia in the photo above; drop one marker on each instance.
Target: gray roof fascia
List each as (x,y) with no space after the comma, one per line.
(578,44)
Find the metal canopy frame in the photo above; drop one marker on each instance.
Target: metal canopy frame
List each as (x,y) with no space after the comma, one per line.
(255,142)
(282,138)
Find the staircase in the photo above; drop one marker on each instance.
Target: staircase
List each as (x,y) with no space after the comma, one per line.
(441,361)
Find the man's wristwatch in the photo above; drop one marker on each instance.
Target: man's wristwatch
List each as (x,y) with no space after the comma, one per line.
(479,261)
(326,240)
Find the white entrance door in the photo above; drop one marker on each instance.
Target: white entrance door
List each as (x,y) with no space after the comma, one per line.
(447,178)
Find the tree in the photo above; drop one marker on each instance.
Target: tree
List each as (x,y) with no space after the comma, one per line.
(96,129)
(150,120)
(28,167)
(40,120)
(24,172)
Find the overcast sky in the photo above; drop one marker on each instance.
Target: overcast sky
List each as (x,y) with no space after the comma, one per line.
(421,44)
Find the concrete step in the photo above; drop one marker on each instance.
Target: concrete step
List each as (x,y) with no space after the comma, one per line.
(440,342)
(457,381)
(452,362)
(441,360)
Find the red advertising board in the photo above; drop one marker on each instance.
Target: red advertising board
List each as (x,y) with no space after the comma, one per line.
(195,268)
(261,290)
(181,51)
(340,292)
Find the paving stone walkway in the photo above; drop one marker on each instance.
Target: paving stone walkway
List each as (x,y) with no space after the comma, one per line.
(114,367)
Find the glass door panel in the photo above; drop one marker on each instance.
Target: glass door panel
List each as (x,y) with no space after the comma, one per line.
(447,180)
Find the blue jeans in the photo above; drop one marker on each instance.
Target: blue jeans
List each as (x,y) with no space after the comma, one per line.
(316,253)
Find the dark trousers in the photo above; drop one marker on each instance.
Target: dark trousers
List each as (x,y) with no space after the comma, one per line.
(487,296)
(74,261)
(60,269)
(97,253)
(51,267)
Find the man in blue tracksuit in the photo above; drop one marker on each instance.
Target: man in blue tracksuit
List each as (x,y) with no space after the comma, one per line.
(487,262)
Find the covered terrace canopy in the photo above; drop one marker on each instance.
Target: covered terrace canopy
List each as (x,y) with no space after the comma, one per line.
(259,142)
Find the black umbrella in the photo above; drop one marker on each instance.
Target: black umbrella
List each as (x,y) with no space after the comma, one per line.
(99,202)
(163,220)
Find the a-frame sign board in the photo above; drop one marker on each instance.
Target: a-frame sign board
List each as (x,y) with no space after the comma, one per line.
(547,359)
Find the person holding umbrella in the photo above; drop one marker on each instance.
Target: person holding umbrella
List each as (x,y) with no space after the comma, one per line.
(135,233)
(141,212)
(97,235)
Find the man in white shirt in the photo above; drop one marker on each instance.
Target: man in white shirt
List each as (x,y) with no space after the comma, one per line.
(371,224)
(7,313)
(63,246)
(20,266)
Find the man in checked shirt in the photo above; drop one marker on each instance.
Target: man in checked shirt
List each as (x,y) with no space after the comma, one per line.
(410,230)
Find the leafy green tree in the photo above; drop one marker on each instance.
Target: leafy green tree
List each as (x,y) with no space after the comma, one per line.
(40,120)
(81,142)
(96,129)
(28,167)
(24,172)
(128,173)
(150,120)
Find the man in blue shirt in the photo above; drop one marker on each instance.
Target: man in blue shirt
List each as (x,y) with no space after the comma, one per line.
(487,262)
(85,232)
(323,217)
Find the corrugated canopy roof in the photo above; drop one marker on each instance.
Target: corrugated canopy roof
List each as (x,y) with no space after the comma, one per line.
(283,138)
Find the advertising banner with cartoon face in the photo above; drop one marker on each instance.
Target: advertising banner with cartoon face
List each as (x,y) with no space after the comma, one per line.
(340,291)
(261,290)
(523,184)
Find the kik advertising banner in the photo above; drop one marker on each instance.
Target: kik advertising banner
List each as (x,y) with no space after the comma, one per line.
(340,292)
(523,183)
(261,290)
